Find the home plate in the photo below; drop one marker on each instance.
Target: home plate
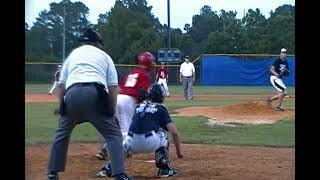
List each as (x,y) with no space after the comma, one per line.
(151,161)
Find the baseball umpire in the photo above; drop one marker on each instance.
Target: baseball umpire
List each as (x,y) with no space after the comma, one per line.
(278,69)
(147,133)
(88,84)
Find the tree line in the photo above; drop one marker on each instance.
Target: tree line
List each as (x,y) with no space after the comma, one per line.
(130,27)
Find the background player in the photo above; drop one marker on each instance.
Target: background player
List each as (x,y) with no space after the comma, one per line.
(162,77)
(132,89)
(278,69)
(56,80)
(147,133)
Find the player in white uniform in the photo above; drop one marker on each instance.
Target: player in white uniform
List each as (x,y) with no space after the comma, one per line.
(147,133)
(56,80)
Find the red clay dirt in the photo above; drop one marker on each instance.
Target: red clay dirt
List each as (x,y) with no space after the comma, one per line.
(252,112)
(200,162)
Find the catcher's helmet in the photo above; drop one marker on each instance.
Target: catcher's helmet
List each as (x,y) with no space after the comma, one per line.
(156,93)
(91,35)
(146,60)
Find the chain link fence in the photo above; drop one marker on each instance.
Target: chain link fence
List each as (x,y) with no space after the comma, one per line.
(43,73)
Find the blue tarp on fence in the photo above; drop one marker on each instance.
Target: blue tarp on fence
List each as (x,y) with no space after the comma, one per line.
(239,71)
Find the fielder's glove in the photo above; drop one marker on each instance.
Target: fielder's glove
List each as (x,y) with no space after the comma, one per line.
(285,72)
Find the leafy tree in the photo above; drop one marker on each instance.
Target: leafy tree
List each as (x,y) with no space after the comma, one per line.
(254,24)
(45,39)
(280,33)
(126,29)
(204,23)
(130,27)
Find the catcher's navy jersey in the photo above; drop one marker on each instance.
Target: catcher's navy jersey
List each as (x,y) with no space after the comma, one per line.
(148,117)
(280,65)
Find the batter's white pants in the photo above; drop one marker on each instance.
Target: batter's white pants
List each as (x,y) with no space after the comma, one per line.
(165,85)
(278,84)
(124,112)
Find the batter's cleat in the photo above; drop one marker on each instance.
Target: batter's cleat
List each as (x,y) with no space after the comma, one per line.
(122,177)
(102,155)
(105,171)
(279,109)
(170,171)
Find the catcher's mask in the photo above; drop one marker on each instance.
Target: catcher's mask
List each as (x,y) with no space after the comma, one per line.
(91,35)
(156,93)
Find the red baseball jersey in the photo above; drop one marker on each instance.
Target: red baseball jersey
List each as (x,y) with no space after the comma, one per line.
(134,81)
(162,73)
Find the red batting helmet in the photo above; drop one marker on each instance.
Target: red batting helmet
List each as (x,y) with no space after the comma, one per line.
(146,60)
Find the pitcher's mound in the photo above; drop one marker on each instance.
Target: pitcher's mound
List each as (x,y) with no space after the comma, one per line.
(253,112)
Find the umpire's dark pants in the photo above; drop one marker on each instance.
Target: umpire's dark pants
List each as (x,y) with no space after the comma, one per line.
(81,103)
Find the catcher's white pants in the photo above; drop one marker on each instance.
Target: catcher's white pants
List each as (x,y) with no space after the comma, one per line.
(141,144)
(278,84)
(165,85)
(53,87)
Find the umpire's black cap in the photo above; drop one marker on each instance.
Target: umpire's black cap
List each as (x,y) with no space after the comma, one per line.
(91,35)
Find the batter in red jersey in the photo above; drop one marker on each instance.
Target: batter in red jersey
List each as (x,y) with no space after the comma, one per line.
(162,77)
(132,89)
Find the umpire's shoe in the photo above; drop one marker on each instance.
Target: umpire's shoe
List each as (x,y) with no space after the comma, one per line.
(166,172)
(122,177)
(53,177)
(105,171)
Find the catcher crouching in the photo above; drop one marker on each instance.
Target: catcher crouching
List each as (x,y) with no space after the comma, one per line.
(147,133)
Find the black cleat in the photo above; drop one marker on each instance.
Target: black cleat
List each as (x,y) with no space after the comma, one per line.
(170,171)
(105,171)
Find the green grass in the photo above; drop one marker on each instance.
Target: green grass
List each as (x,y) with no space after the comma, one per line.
(194,130)
(41,124)
(44,88)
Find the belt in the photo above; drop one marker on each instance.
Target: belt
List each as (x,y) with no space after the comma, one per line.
(148,134)
(187,76)
(83,84)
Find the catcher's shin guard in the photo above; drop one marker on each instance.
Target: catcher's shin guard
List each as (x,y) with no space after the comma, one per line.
(162,157)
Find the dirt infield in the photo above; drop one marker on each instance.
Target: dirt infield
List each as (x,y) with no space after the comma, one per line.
(252,112)
(200,162)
